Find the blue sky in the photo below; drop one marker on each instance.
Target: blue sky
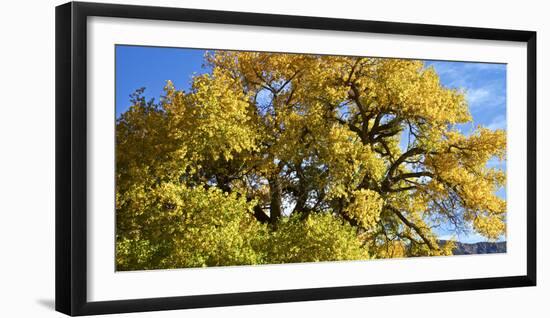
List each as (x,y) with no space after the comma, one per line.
(151,67)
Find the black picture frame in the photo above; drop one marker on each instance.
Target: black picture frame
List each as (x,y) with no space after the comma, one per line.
(71,154)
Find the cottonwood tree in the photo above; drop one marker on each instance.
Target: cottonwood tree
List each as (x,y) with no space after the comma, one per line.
(276,158)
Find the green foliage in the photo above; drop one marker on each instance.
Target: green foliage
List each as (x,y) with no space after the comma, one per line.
(315,238)
(179,226)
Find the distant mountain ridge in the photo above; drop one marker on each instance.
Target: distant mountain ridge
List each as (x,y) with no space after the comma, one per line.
(477,248)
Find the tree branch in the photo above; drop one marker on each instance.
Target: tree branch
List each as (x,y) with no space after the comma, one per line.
(412,226)
(362,109)
(409,153)
(413,175)
(402,189)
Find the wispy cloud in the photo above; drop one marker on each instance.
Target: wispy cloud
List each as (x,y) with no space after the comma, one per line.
(478,95)
(486,96)
(498,122)
(492,67)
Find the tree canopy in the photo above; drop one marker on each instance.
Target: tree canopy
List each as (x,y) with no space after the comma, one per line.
(278,158)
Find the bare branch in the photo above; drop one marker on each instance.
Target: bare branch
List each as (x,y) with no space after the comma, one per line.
(412,226)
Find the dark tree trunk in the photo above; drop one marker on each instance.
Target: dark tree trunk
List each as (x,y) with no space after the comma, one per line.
(260,215)
(276,200)
(300,191)
(300,204)
(223,183)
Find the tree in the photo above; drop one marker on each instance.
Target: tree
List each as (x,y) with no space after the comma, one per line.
(276,158)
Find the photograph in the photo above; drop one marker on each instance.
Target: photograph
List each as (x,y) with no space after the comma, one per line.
(226,158)
(251,159)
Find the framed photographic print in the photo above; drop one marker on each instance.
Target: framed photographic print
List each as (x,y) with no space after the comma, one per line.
(208,158)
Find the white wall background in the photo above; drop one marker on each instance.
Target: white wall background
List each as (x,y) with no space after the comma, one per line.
(27,158)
